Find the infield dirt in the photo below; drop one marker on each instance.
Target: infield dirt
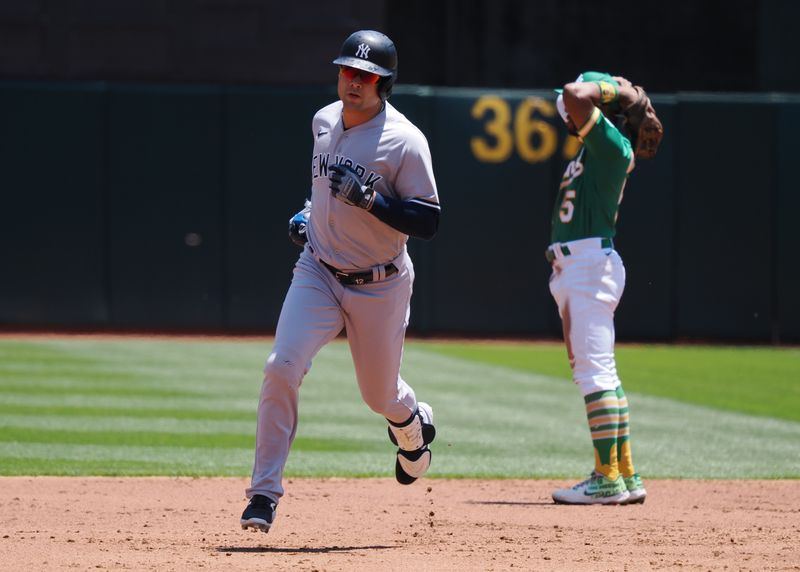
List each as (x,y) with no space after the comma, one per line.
(59,523)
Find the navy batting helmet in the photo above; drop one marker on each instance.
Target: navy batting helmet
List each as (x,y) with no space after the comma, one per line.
(374,52)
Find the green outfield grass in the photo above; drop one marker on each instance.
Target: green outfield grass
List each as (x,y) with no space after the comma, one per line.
(128,406)
(758,380)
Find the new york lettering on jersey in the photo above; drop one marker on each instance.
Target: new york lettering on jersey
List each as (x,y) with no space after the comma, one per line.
(319,168)
(391,156)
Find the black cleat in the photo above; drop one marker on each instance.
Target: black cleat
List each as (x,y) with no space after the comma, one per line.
(259,513)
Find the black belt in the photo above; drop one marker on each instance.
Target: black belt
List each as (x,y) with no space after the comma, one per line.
(357,278)
(550,254)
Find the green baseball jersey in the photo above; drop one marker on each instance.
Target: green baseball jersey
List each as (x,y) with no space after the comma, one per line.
(591,189)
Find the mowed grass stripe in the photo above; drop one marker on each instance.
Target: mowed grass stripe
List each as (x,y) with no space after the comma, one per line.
(13,466)
(22,372)
(170,455)
(126,423)
(150,454)
(52,458)
(344,428)
(201,380)
(55,388)
(132,351)
(130,402)
(209,377)
(210,362)
(315,464)
(335,420)
(121,408)
(125,438)
(200,441)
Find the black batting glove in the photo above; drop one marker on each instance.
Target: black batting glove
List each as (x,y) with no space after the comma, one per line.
(347,186)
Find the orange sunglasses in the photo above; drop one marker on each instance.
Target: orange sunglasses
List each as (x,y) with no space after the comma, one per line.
(352,73)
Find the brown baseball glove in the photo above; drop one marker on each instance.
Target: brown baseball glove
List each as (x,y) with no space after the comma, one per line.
(643,123)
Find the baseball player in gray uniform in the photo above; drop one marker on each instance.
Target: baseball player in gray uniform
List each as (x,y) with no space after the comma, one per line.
(372,186)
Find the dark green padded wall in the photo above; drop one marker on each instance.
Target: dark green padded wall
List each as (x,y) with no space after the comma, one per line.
(167,202)
(53,217)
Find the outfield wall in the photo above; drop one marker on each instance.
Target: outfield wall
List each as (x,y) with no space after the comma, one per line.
(154,206)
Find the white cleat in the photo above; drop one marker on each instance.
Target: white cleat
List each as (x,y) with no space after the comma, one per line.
(597,489)
(412,439)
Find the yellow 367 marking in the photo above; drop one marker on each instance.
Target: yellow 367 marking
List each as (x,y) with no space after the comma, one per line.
(531,132)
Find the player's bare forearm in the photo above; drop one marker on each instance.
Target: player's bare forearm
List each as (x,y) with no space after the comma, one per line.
(580,99)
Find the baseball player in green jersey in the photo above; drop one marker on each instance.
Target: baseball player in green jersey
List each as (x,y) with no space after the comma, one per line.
(372,186)
(588,276)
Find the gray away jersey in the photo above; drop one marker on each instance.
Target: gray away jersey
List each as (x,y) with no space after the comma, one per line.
(391,155)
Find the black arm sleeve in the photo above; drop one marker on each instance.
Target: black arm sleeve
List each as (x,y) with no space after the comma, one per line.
(413,218)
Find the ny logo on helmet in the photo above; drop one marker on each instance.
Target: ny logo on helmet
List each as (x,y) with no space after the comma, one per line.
(362,51)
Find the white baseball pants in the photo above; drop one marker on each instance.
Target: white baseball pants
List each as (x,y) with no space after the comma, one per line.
(587,285)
